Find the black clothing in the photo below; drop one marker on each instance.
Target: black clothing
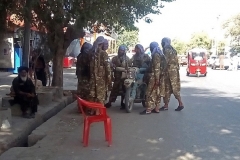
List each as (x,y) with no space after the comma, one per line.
(24,101)
(40,72)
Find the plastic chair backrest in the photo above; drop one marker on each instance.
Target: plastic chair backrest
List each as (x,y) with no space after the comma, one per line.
(80,105)
(91,105)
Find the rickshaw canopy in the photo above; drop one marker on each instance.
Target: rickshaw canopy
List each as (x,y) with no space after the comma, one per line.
(198,50)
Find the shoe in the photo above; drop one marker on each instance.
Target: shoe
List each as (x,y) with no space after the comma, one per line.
(145,112)
(154,111)
(163,109)
(179,108)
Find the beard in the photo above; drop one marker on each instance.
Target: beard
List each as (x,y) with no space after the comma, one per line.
(23,78)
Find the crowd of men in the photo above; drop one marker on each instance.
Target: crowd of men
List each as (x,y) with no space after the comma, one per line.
(94,72)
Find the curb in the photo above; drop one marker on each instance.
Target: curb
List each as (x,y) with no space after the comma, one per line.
(20,136)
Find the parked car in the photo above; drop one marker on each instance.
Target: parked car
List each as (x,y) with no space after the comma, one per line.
(182,60)
(216,63)
(211,60)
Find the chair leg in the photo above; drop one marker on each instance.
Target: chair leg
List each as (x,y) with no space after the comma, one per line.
(106,130)
(86,134)
(84,125)
(109,124)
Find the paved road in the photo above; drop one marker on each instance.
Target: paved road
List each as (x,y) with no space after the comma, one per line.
(207,129)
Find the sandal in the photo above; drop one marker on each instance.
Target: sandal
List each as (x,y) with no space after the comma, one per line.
(163,109)
(145,112)
(154,111)
(179,108)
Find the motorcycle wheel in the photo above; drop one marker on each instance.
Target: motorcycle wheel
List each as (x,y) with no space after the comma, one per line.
(128,101)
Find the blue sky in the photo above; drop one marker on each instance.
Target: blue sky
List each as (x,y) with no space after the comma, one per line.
(181,18)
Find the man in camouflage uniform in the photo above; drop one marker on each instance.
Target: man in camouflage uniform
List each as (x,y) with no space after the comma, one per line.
(140,59)
(172,77)
(121,60)
(83,71)
(100,72)
(155,87)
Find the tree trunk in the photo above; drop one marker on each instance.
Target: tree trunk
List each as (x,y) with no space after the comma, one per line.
(27,31)
(58,69)
(26,45)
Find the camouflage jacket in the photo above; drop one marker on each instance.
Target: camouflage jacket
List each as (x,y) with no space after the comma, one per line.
(171,57)
(99,65)
(141,61)
(155,66)
(119,62)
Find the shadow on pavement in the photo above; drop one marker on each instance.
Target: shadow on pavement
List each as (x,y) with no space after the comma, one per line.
(207,129)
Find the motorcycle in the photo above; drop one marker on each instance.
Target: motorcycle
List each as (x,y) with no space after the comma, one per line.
(134,86)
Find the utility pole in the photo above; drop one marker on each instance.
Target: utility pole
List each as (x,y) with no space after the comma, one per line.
(216,41)
(27,31)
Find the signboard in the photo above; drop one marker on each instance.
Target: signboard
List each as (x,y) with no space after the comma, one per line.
(7,53)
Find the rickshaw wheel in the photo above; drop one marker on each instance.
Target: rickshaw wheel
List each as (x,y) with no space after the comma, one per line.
(187,73)
(205,75)
(128,102)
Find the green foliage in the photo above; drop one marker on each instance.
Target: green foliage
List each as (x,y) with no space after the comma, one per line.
(128,38)
(53,15)
(200,40)
(180,46)
(221,46)
(232,27)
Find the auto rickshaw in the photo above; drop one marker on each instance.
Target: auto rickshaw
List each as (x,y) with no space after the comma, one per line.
(197,62)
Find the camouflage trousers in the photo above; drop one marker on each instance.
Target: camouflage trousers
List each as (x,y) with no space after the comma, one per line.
(97,89)
(116,90)
(153,97)
(172,85)
(83,88)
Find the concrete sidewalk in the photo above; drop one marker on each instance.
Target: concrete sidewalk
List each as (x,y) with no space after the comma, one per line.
(21,128)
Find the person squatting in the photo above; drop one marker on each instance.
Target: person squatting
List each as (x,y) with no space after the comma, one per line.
(94,72)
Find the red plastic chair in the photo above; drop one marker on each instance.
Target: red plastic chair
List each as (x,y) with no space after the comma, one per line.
(102,117)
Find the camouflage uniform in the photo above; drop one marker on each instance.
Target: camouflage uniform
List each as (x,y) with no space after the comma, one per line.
(118,81)
(83,71)
(156,85)
(100,75)
(172,77)
(140,61)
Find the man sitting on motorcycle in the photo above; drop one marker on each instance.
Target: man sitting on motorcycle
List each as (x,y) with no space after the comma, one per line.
(140,60)
(121,60)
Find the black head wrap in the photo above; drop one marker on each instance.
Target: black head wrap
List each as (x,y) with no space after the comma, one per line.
(22,68)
